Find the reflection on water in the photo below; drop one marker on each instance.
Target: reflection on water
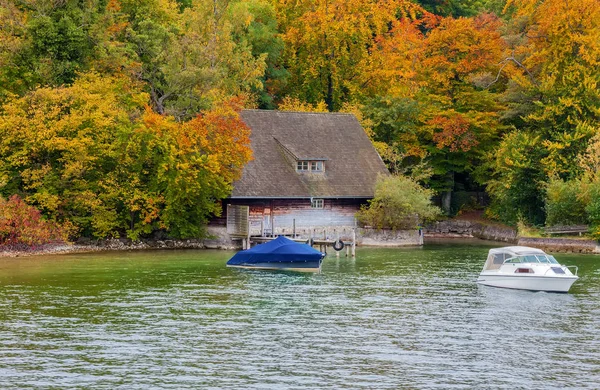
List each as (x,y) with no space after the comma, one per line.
(391,318)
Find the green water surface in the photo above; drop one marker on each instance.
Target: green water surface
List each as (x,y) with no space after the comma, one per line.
(391,318)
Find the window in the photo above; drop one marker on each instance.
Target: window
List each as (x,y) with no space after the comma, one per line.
(542,259)
(530,259)
(317,203)
(312,166)
(524,271)
(499,258)
(302,166)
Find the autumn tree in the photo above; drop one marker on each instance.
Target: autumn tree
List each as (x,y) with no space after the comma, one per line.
(201,55)
(553,64)
(328,43)
(93,155)
(460,113)
(177,173)
(438,108)
(294,104)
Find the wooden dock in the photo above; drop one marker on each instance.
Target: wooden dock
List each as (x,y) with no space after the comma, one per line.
(350,246)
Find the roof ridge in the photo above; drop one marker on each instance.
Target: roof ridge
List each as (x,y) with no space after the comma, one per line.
(286,148)
(299,112)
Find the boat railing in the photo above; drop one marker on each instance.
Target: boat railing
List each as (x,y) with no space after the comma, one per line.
(572,266)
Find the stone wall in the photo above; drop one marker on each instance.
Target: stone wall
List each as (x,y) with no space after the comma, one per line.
(364,237)
(385,237)
(219,239)
(463,228)
(566,245)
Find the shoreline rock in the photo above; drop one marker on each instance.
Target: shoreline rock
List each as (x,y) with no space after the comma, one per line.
(104,246)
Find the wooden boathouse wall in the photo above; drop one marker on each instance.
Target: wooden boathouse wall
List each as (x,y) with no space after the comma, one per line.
(287,214)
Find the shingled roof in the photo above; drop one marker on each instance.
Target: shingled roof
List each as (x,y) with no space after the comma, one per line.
(280,138)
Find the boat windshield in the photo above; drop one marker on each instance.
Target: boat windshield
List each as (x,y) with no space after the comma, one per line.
(547,259)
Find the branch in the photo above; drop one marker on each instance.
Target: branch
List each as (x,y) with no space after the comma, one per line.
(505,62)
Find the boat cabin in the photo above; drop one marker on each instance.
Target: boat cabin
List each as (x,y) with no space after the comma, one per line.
(516,254)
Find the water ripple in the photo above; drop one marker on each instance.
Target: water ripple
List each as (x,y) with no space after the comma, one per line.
(411,318)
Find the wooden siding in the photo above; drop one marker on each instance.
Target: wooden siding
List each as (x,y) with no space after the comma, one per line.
(284,213)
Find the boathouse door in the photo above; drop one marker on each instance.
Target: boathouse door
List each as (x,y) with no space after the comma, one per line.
(267,225)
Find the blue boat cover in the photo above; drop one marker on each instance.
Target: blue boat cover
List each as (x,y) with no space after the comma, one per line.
(281,249)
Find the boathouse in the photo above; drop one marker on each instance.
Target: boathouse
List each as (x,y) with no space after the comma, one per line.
(310,171)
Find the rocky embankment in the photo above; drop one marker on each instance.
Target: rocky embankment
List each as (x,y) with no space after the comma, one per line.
(218,239)
(103,245)
(456,228)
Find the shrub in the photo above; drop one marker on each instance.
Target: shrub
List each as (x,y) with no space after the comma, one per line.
(22,225)
(399,203)
(593,208)
(563,203)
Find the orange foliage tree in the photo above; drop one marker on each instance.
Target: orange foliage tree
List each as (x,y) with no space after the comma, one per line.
(460,115)
(438,107)
(22,226)
(180,171)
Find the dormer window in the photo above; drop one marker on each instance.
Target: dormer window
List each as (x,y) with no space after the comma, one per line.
(302,166)
(316,166)
(309,166)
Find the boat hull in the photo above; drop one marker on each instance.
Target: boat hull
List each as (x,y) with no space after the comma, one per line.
(300,266)
(532,283)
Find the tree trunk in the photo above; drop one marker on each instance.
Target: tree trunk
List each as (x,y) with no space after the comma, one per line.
(447,195)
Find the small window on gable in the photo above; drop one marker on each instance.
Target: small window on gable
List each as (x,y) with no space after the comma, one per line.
(317,203)
(302,166)
(316,166)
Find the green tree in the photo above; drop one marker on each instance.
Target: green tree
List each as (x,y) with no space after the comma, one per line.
(518,179)
(201,56)
(564,203)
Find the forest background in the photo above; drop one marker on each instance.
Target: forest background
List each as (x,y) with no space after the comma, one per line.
(119,117)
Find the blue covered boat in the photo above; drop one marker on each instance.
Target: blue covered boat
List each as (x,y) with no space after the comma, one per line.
(279,254)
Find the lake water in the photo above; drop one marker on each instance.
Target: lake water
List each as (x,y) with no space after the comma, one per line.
(389,319)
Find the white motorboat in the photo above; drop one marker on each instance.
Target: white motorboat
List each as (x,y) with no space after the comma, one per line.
(525,268)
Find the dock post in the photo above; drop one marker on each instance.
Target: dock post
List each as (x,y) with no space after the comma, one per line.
(325,239)
(294,228)
(353,242)
(337,253)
